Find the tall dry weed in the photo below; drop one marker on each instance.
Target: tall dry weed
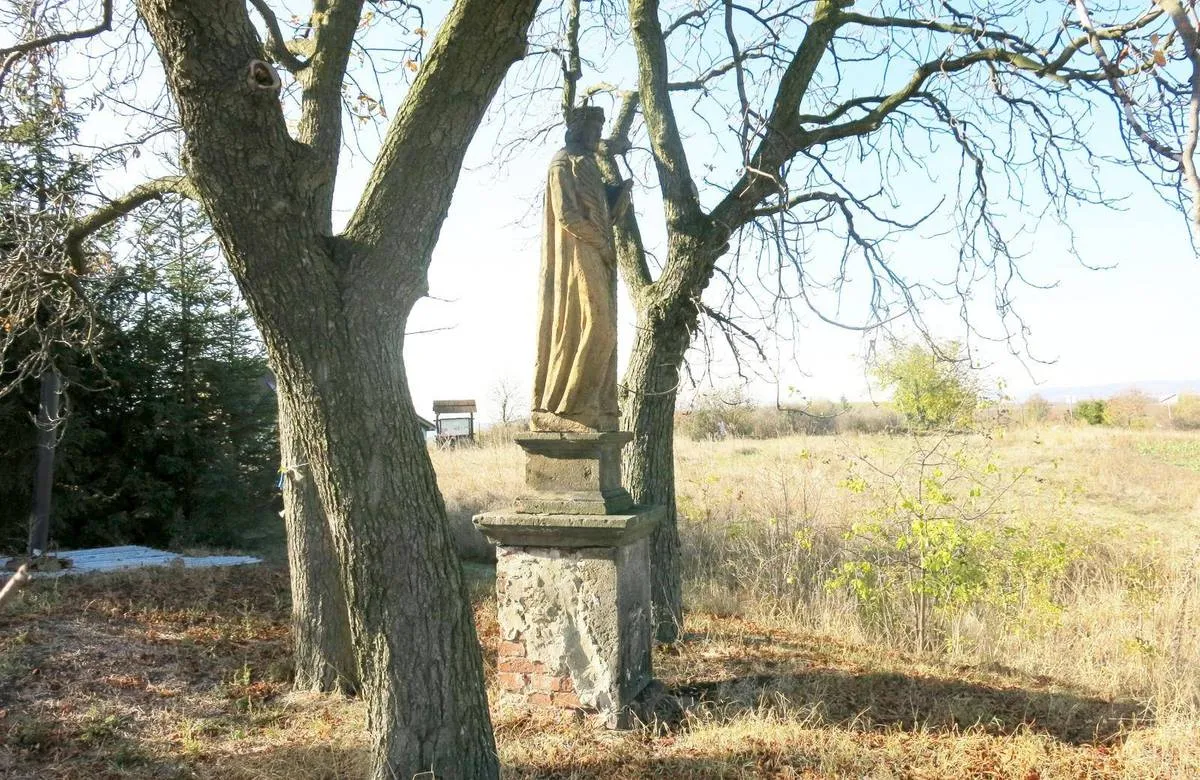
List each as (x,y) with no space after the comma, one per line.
(763,524)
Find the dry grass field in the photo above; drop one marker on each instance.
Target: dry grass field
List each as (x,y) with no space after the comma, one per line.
(1024,605)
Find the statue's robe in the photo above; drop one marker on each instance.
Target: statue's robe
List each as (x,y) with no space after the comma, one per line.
(575,377)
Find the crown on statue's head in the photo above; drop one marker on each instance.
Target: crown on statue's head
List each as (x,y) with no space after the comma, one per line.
(583,115)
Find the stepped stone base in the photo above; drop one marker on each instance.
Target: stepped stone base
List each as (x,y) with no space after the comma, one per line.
(573,578)
(573,473)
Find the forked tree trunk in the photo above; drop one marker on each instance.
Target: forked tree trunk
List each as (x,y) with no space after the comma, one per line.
(323,654)
(332,311)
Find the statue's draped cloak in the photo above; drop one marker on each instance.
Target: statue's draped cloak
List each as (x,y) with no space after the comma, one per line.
(575,377)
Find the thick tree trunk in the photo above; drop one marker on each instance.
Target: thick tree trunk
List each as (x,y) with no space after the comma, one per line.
(332,311)
(412,624)
(668,312)
(323,654)
(648,409)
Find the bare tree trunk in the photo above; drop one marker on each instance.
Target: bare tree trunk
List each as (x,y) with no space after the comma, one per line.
(648,394)
(47,438)
(668,313)
(332,311)
(648,409)
(412,624)
(323,654)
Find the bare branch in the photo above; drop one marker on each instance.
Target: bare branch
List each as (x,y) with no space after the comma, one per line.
(618,140)
(1113,74)
(670,158)
(780,141)
(1016,42)
(115,209)
(631,253)
(732,329)
(572,65)
(12,54)
(428,139)
(1187,157)
(276,45)
(874,118)
(690,16)
(743,100)
(321,102)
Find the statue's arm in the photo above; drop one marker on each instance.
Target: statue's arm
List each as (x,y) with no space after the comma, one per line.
(565,202)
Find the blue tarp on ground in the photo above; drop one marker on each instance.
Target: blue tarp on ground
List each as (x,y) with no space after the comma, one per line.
(132,557)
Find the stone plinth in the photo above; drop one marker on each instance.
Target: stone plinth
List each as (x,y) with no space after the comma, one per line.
(524,529)
(573,578)
(573,473)
(575,623)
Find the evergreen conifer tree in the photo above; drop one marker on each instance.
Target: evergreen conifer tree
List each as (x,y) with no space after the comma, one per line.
(177,444)
(171,436)
(42,314)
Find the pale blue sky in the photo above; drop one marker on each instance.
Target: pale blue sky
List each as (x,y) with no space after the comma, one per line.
(1133,322)
(1136,321)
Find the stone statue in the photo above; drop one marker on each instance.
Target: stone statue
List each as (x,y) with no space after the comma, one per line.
(573,552)
(575,377)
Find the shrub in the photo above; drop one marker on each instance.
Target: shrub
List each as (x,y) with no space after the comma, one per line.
(870,418)
(1035,410)
(815,418)
(932,547)
(1128,410)
(712,419)
(1091,412)
(719,414)
(1186,414)
(932,388)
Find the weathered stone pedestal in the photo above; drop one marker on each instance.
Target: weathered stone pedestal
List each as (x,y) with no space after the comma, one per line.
(573,578)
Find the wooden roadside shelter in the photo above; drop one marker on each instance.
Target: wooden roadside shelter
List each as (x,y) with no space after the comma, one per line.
(454,420)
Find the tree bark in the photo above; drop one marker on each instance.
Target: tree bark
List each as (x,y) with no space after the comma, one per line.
(332,311)
(648,467)
(43,486)
(323,655)
(668,313)
(411,622)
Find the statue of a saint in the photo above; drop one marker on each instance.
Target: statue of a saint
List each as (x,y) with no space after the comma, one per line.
(575,377)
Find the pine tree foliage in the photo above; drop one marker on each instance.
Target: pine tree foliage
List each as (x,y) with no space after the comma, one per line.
(170,439)
(42,315)
(169,436)
(185,401)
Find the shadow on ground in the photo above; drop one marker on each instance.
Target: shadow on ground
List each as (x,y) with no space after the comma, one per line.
(887,701)
(809,680)
(758,704)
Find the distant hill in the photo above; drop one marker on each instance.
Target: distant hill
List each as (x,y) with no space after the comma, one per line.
(1155,388)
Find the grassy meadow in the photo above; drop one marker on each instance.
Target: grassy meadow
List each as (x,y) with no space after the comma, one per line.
(1023,604)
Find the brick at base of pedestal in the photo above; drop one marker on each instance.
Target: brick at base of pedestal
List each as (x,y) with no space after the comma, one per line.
(532,681)
(575,625)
